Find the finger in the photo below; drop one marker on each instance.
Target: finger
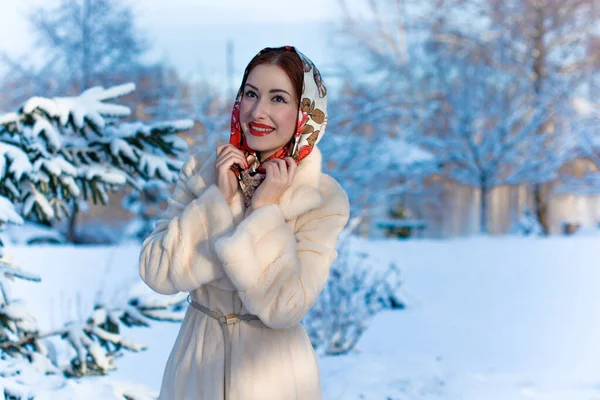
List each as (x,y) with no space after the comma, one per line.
(292,167)
(291,163)
(226,148)
(220,148)
(286,168)
(280,169)
(268,167)
(229,160)
(281,164)
(275,174)
(229,148)
(227,155)
(233,150)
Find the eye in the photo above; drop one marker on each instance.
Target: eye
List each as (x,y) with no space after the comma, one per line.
(251,93)
(279,99)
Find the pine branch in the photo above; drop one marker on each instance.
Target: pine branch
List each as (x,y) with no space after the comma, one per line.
(97,341)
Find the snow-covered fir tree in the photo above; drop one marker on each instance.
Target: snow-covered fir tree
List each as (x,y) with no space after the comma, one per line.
(53,152)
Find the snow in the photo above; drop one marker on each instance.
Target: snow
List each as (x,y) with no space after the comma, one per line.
(179,125)
(121,147)
(19,162)
(8,212)
(34,197)
(493,316)
(70,183)
(157,166)
(129,129)
(48,105)
(45,126)
(113,92)
(104,173)
(87,105)
(486,318)
(32,381)
(177,143)
(18,311)
(395,151)
(56,166)
(528,224)
(9,118)
(585,107)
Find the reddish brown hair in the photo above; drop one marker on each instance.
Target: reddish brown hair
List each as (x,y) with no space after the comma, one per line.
(286,59)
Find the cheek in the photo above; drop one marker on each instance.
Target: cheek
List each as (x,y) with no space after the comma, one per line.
(288,118)
(244,111)
(245,117)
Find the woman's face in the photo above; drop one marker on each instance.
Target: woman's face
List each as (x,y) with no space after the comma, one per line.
(268,109)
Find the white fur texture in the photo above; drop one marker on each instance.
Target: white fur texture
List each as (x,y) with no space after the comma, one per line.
(273,263)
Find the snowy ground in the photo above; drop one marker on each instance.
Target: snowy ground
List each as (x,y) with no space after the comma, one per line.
(487,318)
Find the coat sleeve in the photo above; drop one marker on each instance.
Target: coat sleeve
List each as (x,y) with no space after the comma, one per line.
(179,254)
(279,274)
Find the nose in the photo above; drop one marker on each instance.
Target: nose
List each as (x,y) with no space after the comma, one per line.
(259,110)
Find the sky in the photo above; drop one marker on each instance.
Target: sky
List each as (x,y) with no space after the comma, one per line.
(193,34)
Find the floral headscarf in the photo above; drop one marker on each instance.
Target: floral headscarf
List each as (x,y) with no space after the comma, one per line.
(312,120)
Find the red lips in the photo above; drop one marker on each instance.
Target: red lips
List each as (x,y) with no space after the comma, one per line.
(253,131)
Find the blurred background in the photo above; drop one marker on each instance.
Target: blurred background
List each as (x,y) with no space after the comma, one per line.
(465,130)
(459,117)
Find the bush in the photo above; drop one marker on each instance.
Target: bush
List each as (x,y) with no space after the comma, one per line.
(355,292)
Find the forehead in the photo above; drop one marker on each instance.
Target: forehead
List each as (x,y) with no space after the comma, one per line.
(268,76)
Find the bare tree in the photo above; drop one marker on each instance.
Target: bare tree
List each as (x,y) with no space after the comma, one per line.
(94,41)
(484,131)
(552,39)
(420,50)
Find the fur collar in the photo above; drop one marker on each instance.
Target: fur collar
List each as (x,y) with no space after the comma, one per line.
(302,196)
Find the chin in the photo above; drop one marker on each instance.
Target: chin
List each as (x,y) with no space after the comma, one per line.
(257,144)
(254,145)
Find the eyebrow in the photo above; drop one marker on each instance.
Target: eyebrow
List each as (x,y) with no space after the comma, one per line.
(270,91)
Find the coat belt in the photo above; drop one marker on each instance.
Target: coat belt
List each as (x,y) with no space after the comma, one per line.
(224,320)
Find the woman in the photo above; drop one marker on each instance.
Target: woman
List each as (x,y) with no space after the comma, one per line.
(251,235)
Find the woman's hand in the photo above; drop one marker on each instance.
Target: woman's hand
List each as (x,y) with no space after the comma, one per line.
(280,175)
(227,155)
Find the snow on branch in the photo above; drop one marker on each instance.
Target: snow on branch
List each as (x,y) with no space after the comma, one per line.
(36,377)
(54,151)
(98,341)
(8,212)
(88,105)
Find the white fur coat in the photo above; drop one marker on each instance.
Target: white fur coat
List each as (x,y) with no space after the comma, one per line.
(272,262)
